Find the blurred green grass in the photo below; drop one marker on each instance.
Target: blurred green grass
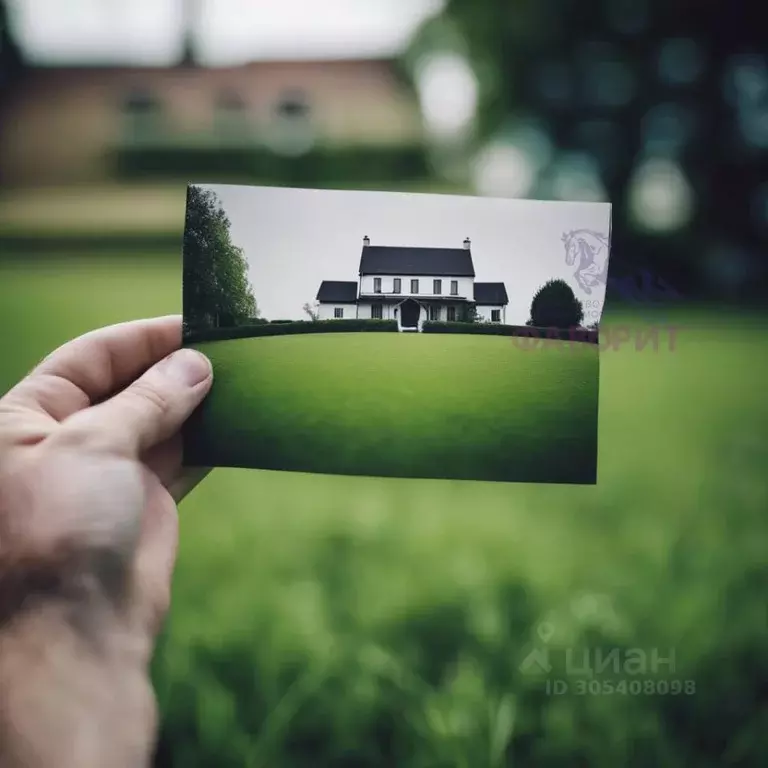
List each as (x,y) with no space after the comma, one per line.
(401,405)
(322,620)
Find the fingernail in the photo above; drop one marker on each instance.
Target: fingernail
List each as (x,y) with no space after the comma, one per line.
(188,366)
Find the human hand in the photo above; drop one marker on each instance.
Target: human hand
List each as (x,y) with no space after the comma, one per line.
(90,474)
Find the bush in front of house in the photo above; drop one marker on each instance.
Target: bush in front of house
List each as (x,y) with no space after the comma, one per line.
(293,327)
(496,329)
(280,322)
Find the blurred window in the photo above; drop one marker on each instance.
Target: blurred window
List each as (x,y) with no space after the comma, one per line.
(338,312)
(231,116)
(292,133)
(142,116)
(293,105)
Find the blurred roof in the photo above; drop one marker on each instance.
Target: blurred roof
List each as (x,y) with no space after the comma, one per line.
(226,33)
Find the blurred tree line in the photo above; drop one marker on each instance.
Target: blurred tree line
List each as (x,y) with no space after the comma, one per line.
(623,82)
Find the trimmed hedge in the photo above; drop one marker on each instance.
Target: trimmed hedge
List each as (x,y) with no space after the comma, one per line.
(279,322)
(496,329)
(320,166)
(292,328)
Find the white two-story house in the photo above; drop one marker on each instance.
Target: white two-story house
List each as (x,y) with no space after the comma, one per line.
(412,285)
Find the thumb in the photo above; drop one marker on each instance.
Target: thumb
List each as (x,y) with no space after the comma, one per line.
(150,410)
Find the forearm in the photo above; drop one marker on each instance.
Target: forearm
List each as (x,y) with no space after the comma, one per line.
(74,682)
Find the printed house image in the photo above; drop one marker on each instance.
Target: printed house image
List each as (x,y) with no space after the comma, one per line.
(413,285)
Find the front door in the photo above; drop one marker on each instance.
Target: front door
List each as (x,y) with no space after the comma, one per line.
(409,314)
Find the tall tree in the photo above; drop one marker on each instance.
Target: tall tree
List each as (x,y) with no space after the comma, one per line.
(11,59)
(555,306)
(216,288)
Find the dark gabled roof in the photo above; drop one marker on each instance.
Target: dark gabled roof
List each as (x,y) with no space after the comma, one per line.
(386,260)
(337,292)
(491,293)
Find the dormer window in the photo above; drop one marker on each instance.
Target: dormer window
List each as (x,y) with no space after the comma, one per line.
(377,285)
(396,285)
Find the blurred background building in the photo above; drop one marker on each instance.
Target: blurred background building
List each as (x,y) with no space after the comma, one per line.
(659,107)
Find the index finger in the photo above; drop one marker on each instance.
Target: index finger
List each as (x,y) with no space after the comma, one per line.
(89,368)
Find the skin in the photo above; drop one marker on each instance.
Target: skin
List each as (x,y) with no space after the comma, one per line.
(90,475)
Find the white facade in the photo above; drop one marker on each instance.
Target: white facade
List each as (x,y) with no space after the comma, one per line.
(485,314)
(426,286)
(383,290)
(330,311)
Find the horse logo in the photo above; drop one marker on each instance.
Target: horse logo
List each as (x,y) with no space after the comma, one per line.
(589,251)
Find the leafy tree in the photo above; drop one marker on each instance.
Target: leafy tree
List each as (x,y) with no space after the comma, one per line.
(467,313)
(556,306)
(216,288)
(312,310)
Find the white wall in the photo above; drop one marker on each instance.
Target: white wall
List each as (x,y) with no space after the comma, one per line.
(326,311)
(466,285)
(484,313)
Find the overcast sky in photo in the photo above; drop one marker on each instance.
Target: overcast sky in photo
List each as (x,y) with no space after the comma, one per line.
(296,238)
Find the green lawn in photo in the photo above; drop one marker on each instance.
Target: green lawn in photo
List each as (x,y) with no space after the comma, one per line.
(402,405)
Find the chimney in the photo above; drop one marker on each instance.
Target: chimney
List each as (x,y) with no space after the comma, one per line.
(366,241)
(467,243)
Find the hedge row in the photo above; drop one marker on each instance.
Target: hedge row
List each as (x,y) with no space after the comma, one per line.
(496,329)
(318,167)
(282,329)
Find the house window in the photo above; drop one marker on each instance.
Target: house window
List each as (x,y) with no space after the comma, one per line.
(495,315)
(434,313)
(338,312)
(376,312)
(377,285)
(414,286)
(396,285)
(437,287)
(451,314)
(454,287)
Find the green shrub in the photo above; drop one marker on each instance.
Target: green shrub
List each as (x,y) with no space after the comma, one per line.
(555,304)
(495,329)
(285,321)
(291,328)
(320,167)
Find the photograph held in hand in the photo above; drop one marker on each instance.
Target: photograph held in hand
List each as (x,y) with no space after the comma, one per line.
(369,333)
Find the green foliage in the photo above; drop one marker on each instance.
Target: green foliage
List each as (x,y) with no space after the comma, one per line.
(555,306)
(290,327)
(525,331)
(216,290)
(321,167)
(467,313)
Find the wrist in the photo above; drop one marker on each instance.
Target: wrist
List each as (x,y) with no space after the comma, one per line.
(74,680)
